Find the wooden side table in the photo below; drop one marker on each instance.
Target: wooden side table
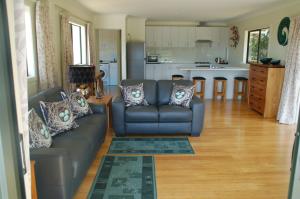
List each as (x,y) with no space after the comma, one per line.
(33,180)
(107,101)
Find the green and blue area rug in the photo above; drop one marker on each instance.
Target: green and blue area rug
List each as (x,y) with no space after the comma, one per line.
(125,177)
(178,145)
(133,177)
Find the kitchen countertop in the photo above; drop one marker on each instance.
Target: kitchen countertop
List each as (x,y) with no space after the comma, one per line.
(218,68)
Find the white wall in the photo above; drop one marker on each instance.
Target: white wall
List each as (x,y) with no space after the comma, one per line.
(114,22)
(269,18)
(135,28)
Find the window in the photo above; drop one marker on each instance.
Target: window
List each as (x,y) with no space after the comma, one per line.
(79,44)
(258,42)
(30,46)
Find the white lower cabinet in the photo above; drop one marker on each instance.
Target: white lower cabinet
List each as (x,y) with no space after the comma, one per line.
(163,71)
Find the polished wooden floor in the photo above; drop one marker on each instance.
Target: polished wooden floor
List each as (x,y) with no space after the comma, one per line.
(239,155)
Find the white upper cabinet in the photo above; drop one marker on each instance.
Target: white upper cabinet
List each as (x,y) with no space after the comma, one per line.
(172,36)
(203,33)
(166,36)
(149,36)
(191,37)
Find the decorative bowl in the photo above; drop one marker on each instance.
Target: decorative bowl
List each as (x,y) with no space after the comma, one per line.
(275,62)
(266,60)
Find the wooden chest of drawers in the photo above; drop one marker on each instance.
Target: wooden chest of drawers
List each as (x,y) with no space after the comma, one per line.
(265,84)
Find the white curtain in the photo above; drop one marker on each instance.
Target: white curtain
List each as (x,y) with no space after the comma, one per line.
(66,47)
(45,46)
(91,42)
(290,96)
(20,84)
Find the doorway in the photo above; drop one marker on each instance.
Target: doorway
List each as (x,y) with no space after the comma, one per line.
(109,56)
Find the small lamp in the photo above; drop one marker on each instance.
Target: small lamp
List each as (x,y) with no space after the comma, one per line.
(84,78)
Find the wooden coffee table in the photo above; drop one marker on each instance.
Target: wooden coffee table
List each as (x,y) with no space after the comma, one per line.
(107,101)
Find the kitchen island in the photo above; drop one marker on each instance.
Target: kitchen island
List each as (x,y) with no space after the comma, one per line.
(165,71)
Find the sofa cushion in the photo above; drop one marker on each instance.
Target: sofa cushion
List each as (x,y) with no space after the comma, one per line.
(91,127)
(172,113)
(79,150)
(141,114)
(134,95)
(182,95)
(49,95)
(58,116)
(165,87)
(39,134)
(80,106)
(149,88)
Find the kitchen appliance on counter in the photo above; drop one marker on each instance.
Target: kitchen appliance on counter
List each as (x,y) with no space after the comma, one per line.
(203,64)
(219,60)
(152,59)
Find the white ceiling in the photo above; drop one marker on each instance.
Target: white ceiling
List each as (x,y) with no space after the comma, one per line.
(195,10)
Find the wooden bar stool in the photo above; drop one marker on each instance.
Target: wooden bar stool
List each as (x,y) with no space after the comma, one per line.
(221,93)
(177,77)
(236,91)
(201,81)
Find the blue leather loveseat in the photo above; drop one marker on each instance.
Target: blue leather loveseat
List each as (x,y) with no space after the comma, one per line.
(159,117)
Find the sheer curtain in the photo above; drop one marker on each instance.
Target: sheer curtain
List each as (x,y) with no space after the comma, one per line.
(45,46)
(66,47)
(290,96)
(20,84)
(91,41)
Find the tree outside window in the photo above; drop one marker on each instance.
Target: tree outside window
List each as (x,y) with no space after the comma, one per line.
(258,43)
(79,43)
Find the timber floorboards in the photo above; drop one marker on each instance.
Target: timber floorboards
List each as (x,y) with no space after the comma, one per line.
(239,155)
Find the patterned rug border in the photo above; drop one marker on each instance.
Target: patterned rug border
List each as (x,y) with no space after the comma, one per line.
(101,166)
(149,139)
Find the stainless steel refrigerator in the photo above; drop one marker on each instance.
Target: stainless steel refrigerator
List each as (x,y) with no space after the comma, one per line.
(294,188)
(135,60)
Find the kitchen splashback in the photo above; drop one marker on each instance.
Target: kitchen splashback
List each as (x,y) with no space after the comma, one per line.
(202,52)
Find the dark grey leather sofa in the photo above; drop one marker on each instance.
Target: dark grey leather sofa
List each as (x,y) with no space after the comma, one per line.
(159,117)
(61,168)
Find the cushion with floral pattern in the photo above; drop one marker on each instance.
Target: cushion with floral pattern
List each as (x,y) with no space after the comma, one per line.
(58,116)
(39,133)
(182,95)
(134,95)
(79,104)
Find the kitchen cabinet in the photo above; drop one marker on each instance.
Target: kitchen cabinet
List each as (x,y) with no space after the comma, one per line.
(153,36)
(174,37)
(265,84)
(186,37)
(166,36)
(204,33)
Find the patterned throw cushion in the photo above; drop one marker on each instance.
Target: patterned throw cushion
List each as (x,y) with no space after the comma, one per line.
(58,116)
(182,95)
(79,104)
(134,95)
(39,134)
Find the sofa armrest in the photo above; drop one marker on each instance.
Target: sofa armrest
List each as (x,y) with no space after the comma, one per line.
(98,108)
(198,110)
(54,172)
(118,116)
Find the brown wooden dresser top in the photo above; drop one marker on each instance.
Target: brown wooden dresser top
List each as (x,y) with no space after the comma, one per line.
(267,65)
